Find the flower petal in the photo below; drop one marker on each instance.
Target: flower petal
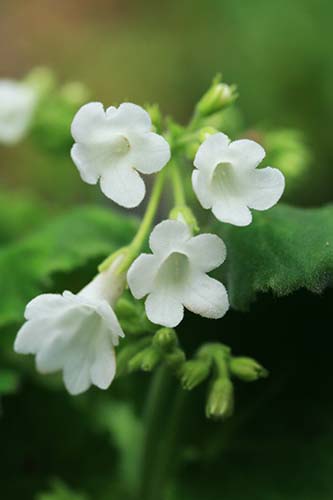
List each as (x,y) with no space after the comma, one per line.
(233,211)
(149,152)
(206,251)
(103,368)
(88,161)
(89,123)
(141,275)
(201,188)
(265,188)
(246,154)
(129,116)
(212,151)
(30,337)
(123,185)
(44,305)
(206,296)
(167,235)
(163,309)
(77,376)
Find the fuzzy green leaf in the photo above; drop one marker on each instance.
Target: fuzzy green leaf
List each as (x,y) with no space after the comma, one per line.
(283,250)
(65,244)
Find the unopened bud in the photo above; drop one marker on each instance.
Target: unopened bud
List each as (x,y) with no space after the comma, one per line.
(194,372)
(220,403)
(155,115)
(127,352)
(75,93)
(175,359)
(165,339)
(217,97)
(145,360)
(41,79)
(247,369)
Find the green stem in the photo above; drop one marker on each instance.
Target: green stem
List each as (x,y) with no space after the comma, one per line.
(162,415)
(131,252)
(178,188)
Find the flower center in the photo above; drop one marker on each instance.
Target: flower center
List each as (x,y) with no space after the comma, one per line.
(174,270)
(119,144)
(222,179)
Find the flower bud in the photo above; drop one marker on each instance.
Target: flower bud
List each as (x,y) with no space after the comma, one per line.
(75,93)
(194,372)
(220,403)
(175,359)
(42,79)
(145,360)
(165,339)
(247,369)
(155,115)
(127,352)
(217,97)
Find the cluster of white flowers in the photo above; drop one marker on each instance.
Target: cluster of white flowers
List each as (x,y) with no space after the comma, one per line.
(77,333)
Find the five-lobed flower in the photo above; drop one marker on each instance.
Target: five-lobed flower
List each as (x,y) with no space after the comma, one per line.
(227,181)
(174,275)
(75,333)
(113,146)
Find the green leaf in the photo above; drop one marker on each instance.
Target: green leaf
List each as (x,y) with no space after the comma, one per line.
(27,268)
(19,214)
(283,250)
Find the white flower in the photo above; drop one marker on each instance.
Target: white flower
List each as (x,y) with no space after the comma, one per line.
(175,275)
(227,181)
(17,104)
(113,146)
(75,333)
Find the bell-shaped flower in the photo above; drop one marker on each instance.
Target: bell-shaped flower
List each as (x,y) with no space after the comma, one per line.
(227,181)
(17,105)
(113,146)
(174,276)
(75,333)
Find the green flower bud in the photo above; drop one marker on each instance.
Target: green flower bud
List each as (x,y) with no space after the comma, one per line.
(125,309)
(185,214)
(127,352)
(145,360)
(165,339)
(288,151)
(75,93)
(194,372)
(220,403)
(41,79)
(217,97)
(175,359)
(155,115)
(247,369)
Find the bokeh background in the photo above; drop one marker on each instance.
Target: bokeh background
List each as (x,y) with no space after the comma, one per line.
(278,53)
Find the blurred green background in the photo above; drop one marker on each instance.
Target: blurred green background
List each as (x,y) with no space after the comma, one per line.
(278,53)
